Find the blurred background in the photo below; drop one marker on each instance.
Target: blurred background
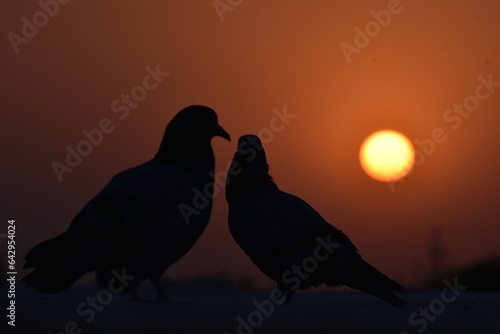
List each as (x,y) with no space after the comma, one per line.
(251,62)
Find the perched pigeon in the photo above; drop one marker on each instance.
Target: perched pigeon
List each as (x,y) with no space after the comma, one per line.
(143,221)
(287,239)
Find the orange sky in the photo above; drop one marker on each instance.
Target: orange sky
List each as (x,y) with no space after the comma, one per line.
(263,57)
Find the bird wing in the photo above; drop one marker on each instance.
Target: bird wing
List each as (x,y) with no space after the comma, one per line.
(277,229)
(143,203)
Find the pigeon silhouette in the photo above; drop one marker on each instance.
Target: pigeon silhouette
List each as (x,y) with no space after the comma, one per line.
(287,239)
(143,220)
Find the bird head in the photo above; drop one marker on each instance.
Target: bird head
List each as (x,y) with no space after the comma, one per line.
(249,171)
(196,122)
(250,155)
(192,127)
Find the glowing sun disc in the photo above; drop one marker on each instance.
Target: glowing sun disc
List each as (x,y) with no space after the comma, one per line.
(387,155)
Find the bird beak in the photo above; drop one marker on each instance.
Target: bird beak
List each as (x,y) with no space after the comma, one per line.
(219,131)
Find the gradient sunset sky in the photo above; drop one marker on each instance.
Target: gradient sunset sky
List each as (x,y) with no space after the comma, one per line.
(264,58)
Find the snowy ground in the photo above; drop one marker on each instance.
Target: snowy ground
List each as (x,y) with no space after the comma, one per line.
(215,311)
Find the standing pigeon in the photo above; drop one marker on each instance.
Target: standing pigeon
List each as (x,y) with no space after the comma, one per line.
(287,239)
(143,221)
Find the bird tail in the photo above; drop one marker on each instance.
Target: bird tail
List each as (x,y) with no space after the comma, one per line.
(364,277)
(58,263)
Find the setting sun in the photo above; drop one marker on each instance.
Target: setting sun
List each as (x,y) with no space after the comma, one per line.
(387,155)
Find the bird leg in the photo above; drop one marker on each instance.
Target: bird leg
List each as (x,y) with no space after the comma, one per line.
(134,297)
(162,295)
(287,292)
(288,296)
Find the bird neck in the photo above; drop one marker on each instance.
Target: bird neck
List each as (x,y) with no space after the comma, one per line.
(194,156)
(243,182)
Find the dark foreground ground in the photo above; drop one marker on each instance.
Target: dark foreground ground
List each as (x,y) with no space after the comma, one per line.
(215,311)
